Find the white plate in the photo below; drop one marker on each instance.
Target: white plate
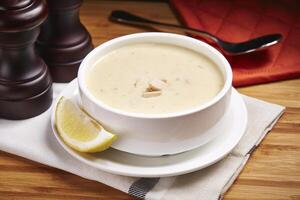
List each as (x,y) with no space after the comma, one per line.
(232,125)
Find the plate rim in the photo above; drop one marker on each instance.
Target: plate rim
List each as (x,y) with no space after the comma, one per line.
(80,158)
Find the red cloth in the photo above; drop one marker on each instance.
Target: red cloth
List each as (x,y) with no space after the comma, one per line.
(236,21)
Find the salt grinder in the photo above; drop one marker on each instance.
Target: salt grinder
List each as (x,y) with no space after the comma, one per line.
(25,83)
(64,41)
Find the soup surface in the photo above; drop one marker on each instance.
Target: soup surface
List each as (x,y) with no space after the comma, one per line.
(154,78)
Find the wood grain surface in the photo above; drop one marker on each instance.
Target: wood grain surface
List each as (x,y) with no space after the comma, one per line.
(273,171)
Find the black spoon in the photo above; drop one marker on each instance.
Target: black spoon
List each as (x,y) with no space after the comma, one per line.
(229,48)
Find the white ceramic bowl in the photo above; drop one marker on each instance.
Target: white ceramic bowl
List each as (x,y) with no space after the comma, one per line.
(158,134)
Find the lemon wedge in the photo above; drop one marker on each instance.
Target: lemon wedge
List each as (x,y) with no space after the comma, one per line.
(78,130)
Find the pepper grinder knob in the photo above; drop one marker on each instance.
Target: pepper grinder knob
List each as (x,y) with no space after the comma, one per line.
(25,83)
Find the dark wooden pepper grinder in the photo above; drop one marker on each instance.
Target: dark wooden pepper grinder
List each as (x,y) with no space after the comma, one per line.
(64,41)
(25,83)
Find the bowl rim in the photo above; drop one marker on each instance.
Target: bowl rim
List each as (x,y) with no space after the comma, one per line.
(224,63)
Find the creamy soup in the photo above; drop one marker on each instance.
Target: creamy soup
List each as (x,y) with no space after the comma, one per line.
(154,78)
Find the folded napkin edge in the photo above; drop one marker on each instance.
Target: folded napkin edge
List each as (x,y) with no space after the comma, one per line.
(234,176)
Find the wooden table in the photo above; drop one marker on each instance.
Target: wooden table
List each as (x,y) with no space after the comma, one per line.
(273,171)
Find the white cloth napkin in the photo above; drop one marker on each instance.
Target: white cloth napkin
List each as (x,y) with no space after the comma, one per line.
(32,139)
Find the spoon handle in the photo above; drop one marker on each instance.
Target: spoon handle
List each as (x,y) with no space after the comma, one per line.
(128,18)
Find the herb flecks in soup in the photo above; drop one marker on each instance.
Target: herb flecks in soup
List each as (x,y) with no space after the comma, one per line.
(154,78)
